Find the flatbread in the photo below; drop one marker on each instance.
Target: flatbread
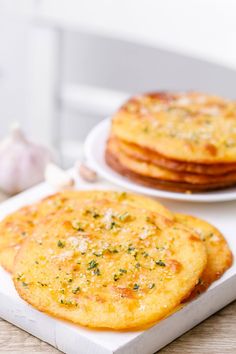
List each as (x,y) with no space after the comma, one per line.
(150,170)
(190,127)
(138,172)
(147,155)
(20,224)
(109,265)
(219,255)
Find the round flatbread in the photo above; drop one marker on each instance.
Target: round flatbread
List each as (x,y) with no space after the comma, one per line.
(109,265)
(157,177)
(190,127)
(146,155)
(20,224)
(150,170)
(219,255)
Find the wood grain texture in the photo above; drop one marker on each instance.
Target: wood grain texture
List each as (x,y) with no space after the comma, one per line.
(216,335)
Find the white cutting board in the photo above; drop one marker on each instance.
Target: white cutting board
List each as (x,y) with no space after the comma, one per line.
(75,339)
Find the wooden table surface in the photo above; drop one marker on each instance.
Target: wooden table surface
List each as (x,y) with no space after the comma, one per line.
(216,335)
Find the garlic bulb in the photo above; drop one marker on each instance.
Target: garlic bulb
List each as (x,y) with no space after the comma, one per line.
(22,163)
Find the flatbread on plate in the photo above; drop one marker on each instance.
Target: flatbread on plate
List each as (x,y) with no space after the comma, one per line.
(105,264)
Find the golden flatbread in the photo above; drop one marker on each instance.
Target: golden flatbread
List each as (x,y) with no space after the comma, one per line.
(20,224)
(219,255)
(190,127)
(157,177)
(106,264)
(146,155)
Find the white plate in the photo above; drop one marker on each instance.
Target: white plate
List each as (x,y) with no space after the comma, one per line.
(74,339)
(95,149)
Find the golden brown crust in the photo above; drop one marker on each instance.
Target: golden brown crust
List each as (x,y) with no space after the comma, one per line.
(131,266)
(189,127)
(21,224)
(147,155)
(158,183)
(219,255)
(151,170)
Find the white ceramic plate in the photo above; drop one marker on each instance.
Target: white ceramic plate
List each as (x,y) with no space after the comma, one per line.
(94,150)
(73,339)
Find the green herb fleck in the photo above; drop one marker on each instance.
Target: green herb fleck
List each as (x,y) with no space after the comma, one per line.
(124,217)
(97,254)
(151,286)
(130,249)
(145,254)
(122,195)
(77,226)
(92,264)
(61,244)
(160,263)
(113,224)
(116,277)
(42,284)
(135,287)
(96,271)
(76,290)
(123,271)
(113,250)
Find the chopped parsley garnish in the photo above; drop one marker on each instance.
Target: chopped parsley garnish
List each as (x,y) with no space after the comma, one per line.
(151,286)
(96,271)
(135,287)
(92,264)
(124,217)
(61,244)
(160,263)
(76,290)
(116,277)
(97,254)
(130,249)
(122,195)
(77,226)
(94,214)
(24,283)
(137,265)
(42,284)
(113,224)
(145,254)
(70,280)
(113,250)
(123,271)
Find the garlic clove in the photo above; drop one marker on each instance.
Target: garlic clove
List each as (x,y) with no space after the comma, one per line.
(22,162)
(86,173)
(58,178)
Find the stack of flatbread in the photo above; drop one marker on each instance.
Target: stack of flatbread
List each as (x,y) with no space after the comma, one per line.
(183,142)
(106,259)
